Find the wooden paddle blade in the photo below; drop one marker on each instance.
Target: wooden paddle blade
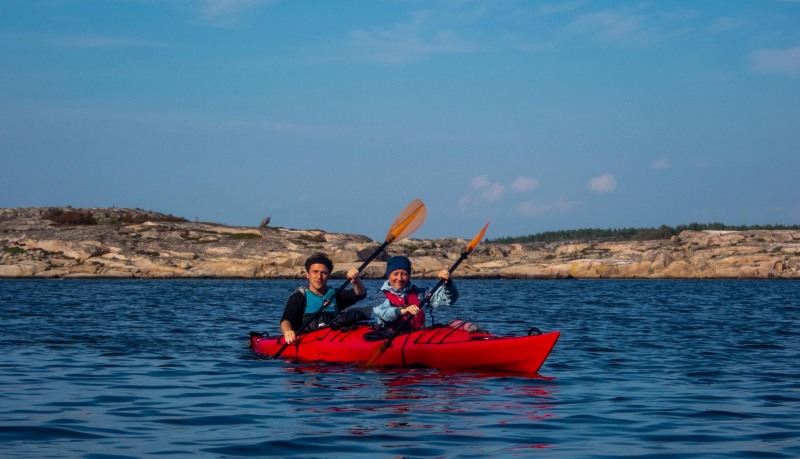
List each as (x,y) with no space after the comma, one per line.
(471,246)
(409,220)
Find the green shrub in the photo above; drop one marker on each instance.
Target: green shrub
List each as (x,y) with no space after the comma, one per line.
(134,218)
(630,234)
(70,217)
(313,238)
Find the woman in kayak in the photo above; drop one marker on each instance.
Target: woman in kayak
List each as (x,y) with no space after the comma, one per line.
(306,301)
(403,297)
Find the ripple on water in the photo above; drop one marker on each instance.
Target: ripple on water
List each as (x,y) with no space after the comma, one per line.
(650,369)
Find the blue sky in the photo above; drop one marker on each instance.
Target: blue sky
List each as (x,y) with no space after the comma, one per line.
(335,115)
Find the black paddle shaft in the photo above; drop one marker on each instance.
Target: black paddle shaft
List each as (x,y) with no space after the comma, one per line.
(425,301)
(341,287)
(335,294)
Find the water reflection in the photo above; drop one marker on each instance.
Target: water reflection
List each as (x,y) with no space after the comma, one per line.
(418,398)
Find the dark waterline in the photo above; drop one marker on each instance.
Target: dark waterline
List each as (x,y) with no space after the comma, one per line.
(113,369)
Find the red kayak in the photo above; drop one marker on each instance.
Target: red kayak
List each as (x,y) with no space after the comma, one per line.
(441,347)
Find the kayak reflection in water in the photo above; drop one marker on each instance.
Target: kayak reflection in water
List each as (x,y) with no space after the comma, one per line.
(403,297)
(303,303)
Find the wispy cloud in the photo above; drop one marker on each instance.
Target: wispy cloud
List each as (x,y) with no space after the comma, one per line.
(608,26)
(490,191)
(98,41)
(524,184)
(548,9)
(424,35)
(603,184)
(450,28)
(494,193)
(636,25)
(543,208)
(776,61)
(227,13)
(465,202)
(480,182)
(661,164)
(726,24)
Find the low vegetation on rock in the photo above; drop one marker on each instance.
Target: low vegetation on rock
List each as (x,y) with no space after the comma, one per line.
(633,234)
(62,242)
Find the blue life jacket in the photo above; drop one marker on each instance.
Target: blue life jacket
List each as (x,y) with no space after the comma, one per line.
(314,301)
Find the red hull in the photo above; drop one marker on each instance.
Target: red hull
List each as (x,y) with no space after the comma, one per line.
(443,348)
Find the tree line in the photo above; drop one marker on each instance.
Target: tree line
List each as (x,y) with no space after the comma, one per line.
(631,234)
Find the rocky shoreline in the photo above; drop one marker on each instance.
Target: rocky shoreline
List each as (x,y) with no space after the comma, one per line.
(133,243)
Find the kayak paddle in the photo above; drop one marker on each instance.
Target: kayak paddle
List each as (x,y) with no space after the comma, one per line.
(425,301)
(406,223)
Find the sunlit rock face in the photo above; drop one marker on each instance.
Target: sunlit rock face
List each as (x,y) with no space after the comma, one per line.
(132,243)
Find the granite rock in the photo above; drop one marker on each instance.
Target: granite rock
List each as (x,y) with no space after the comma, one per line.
(131,243)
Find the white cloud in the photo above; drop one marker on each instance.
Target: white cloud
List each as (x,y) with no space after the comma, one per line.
(603,184)
(524,184)
(776,61)
(661,164)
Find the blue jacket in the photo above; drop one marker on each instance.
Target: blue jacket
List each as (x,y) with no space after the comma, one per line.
(385,312)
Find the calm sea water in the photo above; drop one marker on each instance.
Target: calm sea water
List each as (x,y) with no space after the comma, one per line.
(117,369)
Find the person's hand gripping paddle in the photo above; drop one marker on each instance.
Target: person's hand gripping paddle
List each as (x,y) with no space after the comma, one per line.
(425,301)
(409,220)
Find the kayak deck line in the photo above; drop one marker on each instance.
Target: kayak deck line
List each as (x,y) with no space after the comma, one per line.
(441,347)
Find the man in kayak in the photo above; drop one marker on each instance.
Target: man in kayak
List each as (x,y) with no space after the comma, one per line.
(304,302)
(403,297)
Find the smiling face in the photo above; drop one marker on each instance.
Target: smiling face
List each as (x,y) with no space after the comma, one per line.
(318,275)
(399,278)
